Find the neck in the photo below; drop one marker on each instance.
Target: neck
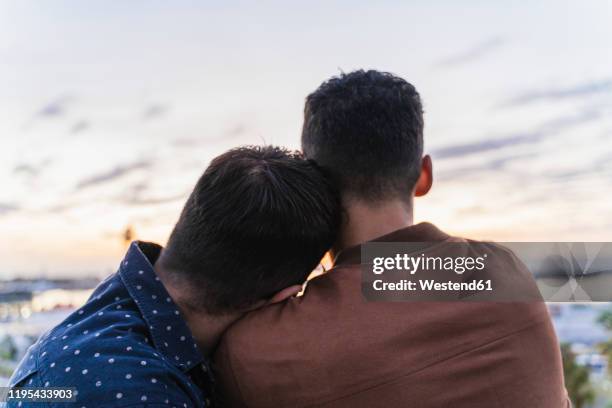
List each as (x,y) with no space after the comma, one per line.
(366,221)
(205,328)
(208,329)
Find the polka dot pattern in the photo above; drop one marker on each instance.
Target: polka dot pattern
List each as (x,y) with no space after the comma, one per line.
(127,346)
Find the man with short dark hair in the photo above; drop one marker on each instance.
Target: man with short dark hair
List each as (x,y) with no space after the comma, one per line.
(331,347)
(256,224)
(366,128)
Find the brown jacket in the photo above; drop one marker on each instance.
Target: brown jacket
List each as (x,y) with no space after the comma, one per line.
(331,348)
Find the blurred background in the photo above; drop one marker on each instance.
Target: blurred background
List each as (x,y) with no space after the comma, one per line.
(110,111)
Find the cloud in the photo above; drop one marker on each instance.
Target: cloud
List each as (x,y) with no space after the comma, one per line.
(6,208)
(26,169)
(496,164)
(561,93)
(153,200)
(472,54)
(59,208)
(471,210)
(569,121)
(137,195)
(545,129)
(155,111)
(54,108)
(31,170)
(496,157)
(113,174)
(235,131)
(80,126)
(500,162)
(139,188)
(185,142)
(486,145)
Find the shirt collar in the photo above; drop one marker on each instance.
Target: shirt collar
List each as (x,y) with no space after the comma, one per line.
(168,329)
(423,232)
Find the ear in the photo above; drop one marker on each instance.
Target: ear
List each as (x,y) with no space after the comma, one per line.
(425,180)
(284,294)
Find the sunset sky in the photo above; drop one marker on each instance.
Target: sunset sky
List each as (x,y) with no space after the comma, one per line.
(110,111)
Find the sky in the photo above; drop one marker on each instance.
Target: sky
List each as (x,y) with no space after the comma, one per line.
(110,111)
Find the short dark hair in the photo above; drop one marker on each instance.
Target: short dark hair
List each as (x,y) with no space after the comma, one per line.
(259,220)
(366,129)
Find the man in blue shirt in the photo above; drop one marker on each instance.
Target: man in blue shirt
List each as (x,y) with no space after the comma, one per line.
(256,224)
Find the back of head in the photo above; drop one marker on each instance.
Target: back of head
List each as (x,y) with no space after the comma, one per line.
(366,129)
(259,220)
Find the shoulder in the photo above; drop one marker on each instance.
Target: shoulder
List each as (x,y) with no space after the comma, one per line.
(277,331)
(105,354)
(112,371)
(321,295)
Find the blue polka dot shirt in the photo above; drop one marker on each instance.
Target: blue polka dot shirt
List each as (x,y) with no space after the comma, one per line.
(128,346)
